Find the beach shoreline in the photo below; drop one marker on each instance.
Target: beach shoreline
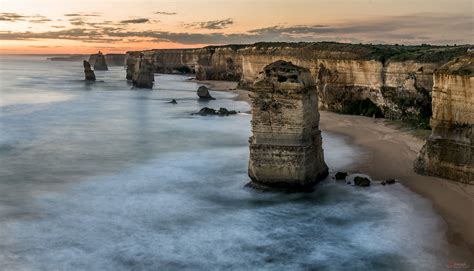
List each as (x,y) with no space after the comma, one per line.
(389,154)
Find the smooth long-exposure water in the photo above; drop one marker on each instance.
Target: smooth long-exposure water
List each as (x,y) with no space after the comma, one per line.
(100,176)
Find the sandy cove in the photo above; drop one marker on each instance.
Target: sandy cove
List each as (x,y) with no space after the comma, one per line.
(389,154)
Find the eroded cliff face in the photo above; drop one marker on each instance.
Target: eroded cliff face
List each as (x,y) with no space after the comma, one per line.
(449,151)
(395,80)
(401,90)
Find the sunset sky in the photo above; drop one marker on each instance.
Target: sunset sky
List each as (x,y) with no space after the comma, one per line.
(84,26)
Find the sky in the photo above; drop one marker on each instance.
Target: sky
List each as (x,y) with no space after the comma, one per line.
(117,26)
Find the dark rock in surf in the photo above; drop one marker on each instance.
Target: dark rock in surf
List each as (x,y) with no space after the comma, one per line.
(203,93)
(361,181)
(206,111)
(341,175)
(89,73)
(173,102)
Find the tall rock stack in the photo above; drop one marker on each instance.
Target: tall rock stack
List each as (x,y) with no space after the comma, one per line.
(143,77)
(88,72)
(449,151)
(131,61)
(99,62)
(286,145)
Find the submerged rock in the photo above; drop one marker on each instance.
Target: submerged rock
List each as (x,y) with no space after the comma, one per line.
(203,93)
(89,73)
(205,111)
(286,145)
(361,181)
(100,63)
(341,175)
(390,181)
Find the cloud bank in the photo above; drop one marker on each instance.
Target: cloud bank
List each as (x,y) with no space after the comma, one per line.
(212,25)
(410,29)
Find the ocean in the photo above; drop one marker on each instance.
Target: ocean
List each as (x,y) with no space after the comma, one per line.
(102,176)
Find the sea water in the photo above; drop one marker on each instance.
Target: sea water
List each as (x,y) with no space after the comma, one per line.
(102,176)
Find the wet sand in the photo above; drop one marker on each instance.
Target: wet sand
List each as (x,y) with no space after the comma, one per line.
(389,153)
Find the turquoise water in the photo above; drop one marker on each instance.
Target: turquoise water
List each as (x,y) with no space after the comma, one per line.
(101,176)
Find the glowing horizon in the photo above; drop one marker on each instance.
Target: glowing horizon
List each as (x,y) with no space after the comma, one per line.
(116,26)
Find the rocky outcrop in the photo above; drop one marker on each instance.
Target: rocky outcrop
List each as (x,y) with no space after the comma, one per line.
(131,61)
(110,59)
(286,145)
(449,151)
(392,81)
(341,175)
(361,181)
(88,72)
(206,111)
(98,61)
(143,76)
(203,93)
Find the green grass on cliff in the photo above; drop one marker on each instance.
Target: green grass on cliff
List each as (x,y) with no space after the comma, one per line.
(381,52)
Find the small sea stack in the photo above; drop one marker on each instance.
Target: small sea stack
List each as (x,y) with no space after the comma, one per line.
(286,146)
(99,62)
(143,77)
(89,73)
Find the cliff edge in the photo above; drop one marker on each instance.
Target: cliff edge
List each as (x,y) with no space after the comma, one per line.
(449,151)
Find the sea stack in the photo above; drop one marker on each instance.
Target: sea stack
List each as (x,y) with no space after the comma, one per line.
(100,64)
(286,146)
(449,151)
(143,77)
(89,73)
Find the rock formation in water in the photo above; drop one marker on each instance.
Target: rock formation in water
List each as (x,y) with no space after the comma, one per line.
(203,93)
(89,73)
(341,175)
(99,62)
(383,80)
(361,181)
(286,145)
(143,76)
(449,151)
(206,111)
(131,61)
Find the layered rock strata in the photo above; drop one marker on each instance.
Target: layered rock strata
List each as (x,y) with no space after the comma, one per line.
(395,80)
(449,151)
(286,145)
(99,62)
(88,72)
(143,76)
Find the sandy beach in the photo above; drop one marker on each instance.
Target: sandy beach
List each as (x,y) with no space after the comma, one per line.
(389,154)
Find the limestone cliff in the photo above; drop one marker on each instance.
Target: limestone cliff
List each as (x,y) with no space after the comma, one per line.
(396,80)
(449,151)
(286,145)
